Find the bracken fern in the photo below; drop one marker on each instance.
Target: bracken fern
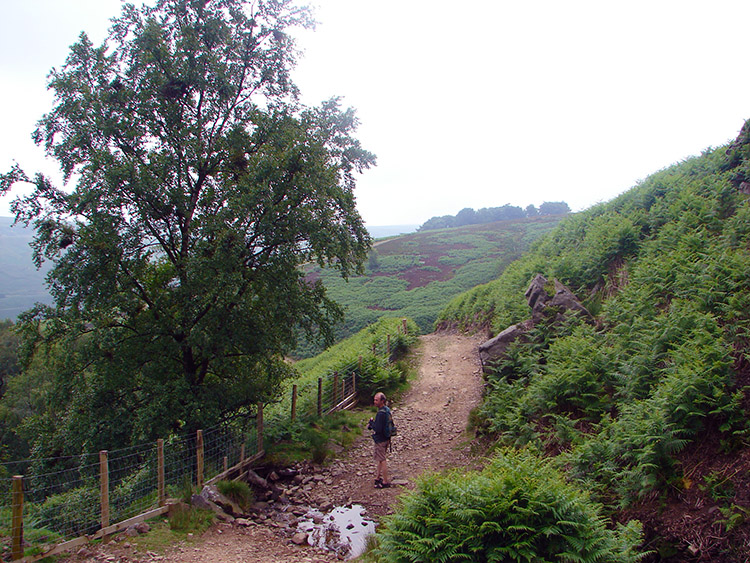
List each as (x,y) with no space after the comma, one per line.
(520,508)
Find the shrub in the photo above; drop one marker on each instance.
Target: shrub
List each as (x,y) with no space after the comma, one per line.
(318,444)
(665,268)
(190,519)
(377,374)
(305,440)
(72,513)
(135,493)
(520,508)
(238,492)
(575,377)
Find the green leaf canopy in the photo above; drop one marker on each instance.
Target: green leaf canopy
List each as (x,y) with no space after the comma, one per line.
(201,184)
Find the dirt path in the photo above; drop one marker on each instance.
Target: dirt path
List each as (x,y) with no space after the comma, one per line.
(431,419)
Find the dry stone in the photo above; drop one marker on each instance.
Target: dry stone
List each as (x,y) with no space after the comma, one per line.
(495,347)
(566,300)
(536,294)
(201,502)
(300,538)
(539,299)
(211,494)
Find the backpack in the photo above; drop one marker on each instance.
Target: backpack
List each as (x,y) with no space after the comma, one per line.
(390,427)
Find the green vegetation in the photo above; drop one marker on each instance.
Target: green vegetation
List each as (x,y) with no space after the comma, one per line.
(376,367)
(520,508)
(36,538)
(664,371)
(316,440)
(417,275)
(75,511)
(183,521)
(378,371)
(12,411)
(199,186)
(202,188)
(9,344)
(67,500)
(238,492)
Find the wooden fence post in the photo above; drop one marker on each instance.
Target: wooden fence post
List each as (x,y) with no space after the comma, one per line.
(242,454)
(199,458)
(388,345)
(17,518)
(320,396)
(354,380)
(260,427)
(294,402)
(104,487)
(405,326)
(162,493)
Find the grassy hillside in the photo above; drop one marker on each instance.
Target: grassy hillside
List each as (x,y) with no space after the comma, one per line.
(416,275)
(648,409)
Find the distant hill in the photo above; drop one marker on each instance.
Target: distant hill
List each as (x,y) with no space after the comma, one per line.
(417,274)
(21,284)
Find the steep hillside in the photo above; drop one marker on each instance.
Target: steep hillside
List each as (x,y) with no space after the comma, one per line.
(416,275)
(648,407)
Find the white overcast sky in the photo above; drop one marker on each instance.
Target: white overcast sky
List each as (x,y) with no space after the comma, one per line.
(476,103)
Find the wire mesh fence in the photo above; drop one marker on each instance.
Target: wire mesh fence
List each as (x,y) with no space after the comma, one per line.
(312,398)
(306,401)
(69,497)
(62,498)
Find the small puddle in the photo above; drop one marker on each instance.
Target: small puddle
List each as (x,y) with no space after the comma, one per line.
(343,530)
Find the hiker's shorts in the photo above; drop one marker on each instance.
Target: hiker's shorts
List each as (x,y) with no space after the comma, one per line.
(380,448)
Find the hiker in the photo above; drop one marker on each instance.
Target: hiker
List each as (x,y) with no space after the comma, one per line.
(379,425)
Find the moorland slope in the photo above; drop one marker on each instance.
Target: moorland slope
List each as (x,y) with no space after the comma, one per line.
(416,275)
(648,408)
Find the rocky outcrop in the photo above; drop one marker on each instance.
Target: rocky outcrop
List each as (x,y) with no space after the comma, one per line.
(536,295)
(544,300)
(211,494)
(540,299)
(495,347)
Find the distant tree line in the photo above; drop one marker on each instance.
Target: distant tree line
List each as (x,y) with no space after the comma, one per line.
(507,212)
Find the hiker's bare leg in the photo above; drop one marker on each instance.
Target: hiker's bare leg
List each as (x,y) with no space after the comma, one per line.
(383,471)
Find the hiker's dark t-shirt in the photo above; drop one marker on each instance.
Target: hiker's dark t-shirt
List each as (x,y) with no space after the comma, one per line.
(379,425)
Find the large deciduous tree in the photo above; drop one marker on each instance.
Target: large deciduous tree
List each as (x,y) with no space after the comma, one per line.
(197,185)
